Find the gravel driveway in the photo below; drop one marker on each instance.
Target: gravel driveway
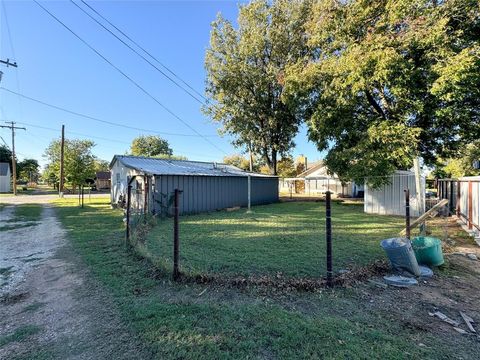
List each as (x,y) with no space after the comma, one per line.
(51,306)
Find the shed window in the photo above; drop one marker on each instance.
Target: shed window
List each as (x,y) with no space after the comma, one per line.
(118,178)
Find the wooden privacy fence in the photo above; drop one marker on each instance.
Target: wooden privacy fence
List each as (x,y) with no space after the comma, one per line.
(464,198)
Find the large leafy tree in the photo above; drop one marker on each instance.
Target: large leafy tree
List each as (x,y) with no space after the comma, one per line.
(28,170)
(463,165)
(237,160)
(245,76)
(150,145)
(101,165)
(5,154)
(389,80)
(79,162)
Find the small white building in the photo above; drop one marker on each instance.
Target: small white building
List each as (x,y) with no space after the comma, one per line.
(5,178)
(390,198)
(317,181)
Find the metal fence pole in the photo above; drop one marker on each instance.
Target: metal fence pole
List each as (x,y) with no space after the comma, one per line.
(127,230)
(452,204)
(176,271)
(83,195)
(407,213)
(328,210)
(249,192)
(470,206)
(459,191)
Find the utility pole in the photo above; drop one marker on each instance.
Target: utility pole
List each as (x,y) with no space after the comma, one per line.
(62,149)
(8,63)
(14,162)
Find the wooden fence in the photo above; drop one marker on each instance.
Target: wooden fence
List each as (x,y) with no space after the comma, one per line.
(464,198)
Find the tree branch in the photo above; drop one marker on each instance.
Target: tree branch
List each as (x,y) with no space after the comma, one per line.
(375,105)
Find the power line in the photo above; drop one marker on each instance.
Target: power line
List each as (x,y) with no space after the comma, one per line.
(137,53)
(145,51)
(101,138)
(17,77)
(8,147)
(100,120)
(128,77)
(8,29)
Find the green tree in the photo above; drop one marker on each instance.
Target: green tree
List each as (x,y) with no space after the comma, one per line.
(5,154)
(286,167)
(150,145)
(462,165)
(28,170)
(101,165)
(79,162)
(245,76)
(237,160)
(389,80)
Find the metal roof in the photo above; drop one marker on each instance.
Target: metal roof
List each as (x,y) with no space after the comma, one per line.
(4,167)
(156,166)
(103,175)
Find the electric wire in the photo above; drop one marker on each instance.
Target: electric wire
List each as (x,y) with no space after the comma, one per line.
(142,89)
(146,52)
(101,120)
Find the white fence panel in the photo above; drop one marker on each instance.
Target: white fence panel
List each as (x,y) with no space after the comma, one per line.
(390,199)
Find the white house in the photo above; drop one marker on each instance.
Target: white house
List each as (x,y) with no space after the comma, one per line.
(316,180)
(5,177)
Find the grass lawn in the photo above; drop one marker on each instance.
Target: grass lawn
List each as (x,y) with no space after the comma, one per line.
(190,321)
(28,212)
(24,215)
(287,238)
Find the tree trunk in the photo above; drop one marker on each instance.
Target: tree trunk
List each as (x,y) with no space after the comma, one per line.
(273,167)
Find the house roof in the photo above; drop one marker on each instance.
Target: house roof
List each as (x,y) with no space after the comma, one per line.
(156,166)
(103,175)
(4,168)
(311,168)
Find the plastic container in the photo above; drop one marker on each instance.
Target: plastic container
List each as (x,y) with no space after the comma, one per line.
(428,250)
(401,255)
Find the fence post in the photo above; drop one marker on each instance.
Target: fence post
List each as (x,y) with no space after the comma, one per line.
(127,230)
(249,192)
(328,227)
(459,191)
(82,196)
(452,207)
(407,213)
(176,271)
(470,206)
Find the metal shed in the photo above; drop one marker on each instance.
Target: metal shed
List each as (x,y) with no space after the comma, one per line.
(205,186)
(390,199)
(5,178)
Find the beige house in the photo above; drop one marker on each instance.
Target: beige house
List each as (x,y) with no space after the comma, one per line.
(317,181)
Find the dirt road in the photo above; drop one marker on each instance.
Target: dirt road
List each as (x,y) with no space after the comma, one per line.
(43,198)
(51,306)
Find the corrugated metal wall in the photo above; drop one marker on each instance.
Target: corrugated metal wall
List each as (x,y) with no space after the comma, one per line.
(390,199)
(210,193)
(5,183)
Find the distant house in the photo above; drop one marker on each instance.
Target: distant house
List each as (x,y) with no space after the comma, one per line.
(316,180)
(5,178)
(102,180)
(204,186)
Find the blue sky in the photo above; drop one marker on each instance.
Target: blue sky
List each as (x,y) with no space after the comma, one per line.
(55,67)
